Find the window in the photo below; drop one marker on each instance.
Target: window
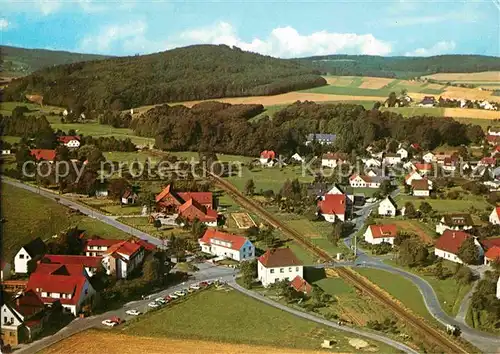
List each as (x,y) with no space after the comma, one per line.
(297,269)
(272,271)
(290,269)
(21,256)
(282,270)
(5,319)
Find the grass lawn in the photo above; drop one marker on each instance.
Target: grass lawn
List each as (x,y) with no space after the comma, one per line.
(142,223)
(229,316)
(449,292)
(269,177)
(447,205)
(6,108)
(424,231)
(416,111)
(29,216)
(400,288)
(10,139)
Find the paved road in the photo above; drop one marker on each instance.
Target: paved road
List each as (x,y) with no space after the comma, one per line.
(87,211)
(319,320)
(207,272)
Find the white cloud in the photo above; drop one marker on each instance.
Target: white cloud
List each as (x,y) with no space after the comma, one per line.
(287,42)
(4,24)
(442,47)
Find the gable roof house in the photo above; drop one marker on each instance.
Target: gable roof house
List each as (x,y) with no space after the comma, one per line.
(332,160)
(90,263)
(97,247)
(267,157)
(412,176)
(170,200)
(332,207)
(70,141)
(376,234)
(67,284)
(300,285)
(402,152)
(278,264)
(129,197)
(427,101)
(43,154)
(192,210)
(22,318)
(371,162)
(429,157)
(364,181)
(492,255)
(423,168)
(122,258)
(223,244)
(32,250)
(387,207)
(456,222)
(421,187)
(495,216)
(448,245)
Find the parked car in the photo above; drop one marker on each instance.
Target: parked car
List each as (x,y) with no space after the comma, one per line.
(195,287)
(153,305)
(160,301)
(203,284)
(133,312)
(167,298)
(173,296)
(191,290)
(109,323)
(180,293)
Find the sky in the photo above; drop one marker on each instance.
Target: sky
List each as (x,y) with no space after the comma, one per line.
(281,28)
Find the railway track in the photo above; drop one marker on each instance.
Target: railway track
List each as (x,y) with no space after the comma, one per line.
(431,334)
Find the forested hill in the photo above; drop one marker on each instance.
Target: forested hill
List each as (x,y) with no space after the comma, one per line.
(21,61)
(400,67)
(183,74)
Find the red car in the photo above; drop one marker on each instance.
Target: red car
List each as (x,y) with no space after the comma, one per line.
(167,298)
(117,320)
(203,284)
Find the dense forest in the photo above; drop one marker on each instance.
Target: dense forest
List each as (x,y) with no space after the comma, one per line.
(224,128)
(189,73)
(400,67)
(22,61)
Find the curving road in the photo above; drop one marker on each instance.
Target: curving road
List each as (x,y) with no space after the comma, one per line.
(486,342)
(319,320)
(85,210)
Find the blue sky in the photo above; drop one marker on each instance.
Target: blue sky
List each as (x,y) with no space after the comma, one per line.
(283,28)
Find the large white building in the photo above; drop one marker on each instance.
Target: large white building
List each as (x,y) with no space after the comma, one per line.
(448,245)
(277,265)
(376,234)
(28,252)
(222,244)
(123,258)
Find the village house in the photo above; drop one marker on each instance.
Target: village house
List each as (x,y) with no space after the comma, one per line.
(403,153)
(387,207)
(332,160)
(487,161)
(67,283)
(429,157)
(495,216)
(376,234)
(168,200)
(412,176)
(32,250)
(493,139)
(492,255)
(192,210)
(421,188)
(456,222)
(494,131)
(332,207)
(222,244)
(5,270)
(448,245)
(70,141)
(97,247)
(371,162)
(6,151)
(43,154)
(122,258)
(277,265)
(423,168)
(22,318)
(323,139)
(336,189)
(427,101)
(364,181)
(409,166)
(392,159)
(300,285)
(267,157)
(91,264)
(297,158)
(129,197)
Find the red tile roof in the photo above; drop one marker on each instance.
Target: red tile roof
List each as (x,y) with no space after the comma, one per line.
(65,284)
(236,241)
(451,241)
(125,248)
(334,156)
(145,244)
(59,269)
(492,138)
(101,242)
(268,154)
(279,257)
(420,184)
(300,285)
(386,230)
(28,303)
(333,204)
(365,178)
(86,261)
(423,166)
(493,253)
(67,138)
(45,154)
(204,198)
(490,242)
(163,193)
(202,213)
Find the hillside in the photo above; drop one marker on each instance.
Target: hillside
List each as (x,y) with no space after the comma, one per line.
(189,73)
(21,61)
(400,67)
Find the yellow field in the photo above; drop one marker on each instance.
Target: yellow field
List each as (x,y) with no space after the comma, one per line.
(435,86)
(471,94)
(482,76)
(471,113)
(97,342)
(375,83)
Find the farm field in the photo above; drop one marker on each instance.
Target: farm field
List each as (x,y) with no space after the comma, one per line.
(448,205)
(228,316)
(100,341)
(29,216)
(448,291)
(482,77)
(6,108)
(243,220)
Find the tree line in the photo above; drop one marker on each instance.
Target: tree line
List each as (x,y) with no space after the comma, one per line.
(190,73)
